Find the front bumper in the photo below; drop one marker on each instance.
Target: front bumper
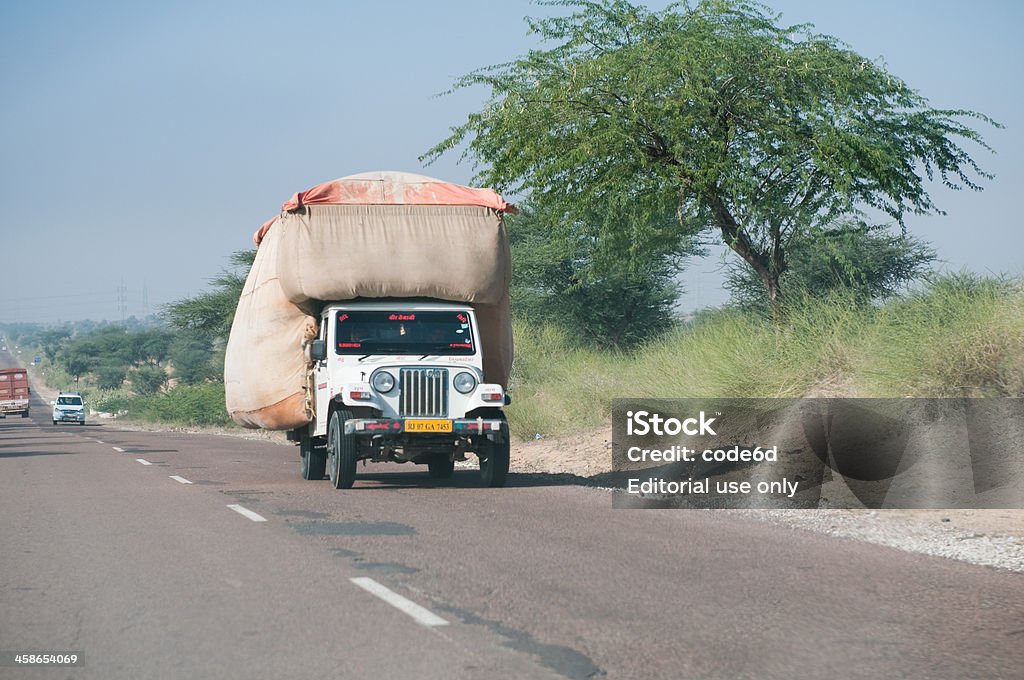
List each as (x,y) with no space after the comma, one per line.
(69,417)
(370,427)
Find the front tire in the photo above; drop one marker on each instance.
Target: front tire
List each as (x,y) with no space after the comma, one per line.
(494,467)
(314,458)
(341,451)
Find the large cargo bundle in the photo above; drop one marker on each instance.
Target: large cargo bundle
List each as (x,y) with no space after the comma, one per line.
(366,236)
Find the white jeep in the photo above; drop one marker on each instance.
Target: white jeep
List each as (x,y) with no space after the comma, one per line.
(401,381)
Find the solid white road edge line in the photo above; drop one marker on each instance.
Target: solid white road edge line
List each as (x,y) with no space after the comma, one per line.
(118,449)
(180,479)
(420,614)
(143,461)
(245,512)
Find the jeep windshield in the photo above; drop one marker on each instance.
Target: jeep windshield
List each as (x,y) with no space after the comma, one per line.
(69,401)
(390,332)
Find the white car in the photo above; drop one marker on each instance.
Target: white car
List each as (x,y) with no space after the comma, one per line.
(69,408)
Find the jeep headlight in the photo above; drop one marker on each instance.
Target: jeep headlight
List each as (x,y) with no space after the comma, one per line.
(383,382)
(465,382)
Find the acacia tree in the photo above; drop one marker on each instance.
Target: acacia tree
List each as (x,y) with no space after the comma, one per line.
(210,314)
(204,321)
(713,110)
(862,262)
(552,280)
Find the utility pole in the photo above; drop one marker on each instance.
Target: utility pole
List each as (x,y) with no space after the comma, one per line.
(122,301)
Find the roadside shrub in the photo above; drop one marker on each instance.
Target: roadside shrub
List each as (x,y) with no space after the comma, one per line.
(148,379)
(183,405)
(962,335)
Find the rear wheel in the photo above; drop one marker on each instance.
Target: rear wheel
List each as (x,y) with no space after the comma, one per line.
(314,458)
(341,451)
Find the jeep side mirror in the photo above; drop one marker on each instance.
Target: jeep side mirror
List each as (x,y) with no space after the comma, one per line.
(318,350)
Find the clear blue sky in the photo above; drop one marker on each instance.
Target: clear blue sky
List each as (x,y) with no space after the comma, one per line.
(144,142)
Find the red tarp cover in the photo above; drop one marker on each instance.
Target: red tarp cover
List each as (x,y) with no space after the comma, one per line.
(390,188)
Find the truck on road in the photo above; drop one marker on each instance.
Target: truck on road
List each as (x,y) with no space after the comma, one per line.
(375,324)
(402,381)
(13,392)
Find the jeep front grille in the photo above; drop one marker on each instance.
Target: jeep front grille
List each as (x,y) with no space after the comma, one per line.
(424,392)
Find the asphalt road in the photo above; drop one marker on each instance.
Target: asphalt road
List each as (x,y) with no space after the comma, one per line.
(122,546)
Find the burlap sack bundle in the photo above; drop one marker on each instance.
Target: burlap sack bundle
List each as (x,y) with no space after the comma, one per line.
(264,363)
(342,252)
(321,253)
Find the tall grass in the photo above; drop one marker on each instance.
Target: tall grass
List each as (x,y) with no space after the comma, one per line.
(960,336)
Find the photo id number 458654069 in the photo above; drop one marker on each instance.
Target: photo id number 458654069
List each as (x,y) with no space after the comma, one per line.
(40,658)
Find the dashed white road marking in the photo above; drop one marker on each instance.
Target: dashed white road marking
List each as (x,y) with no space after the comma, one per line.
(182,480)
(118,449)
(143,461)
(98,441)
(245,512)
(421,615)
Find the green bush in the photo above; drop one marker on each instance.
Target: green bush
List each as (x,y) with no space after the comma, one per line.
(182,405)
(148,379)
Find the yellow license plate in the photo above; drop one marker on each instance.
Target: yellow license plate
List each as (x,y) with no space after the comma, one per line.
(428,426)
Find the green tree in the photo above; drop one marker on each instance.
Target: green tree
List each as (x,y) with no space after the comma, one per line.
(716,113)
(210,314)
(77,361)
(864,262)
(553,280)
(52,341)
(110,375)
(150,347)
(193,358)
(148,379)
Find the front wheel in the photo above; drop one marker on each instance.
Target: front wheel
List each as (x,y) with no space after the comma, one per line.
(494,464)
(314,458)
(341,451)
